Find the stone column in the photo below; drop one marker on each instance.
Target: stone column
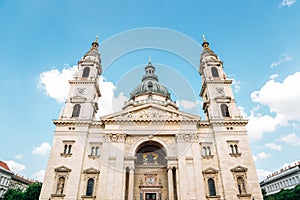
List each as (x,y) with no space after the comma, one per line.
(131,184)
(177,184)
(170,183)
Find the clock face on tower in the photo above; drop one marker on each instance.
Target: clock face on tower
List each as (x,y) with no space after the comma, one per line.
(81,91)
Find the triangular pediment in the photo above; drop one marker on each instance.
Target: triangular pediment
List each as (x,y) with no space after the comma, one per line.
(210,170)
(91,170)
(150,112)
(239,169)
(62,169)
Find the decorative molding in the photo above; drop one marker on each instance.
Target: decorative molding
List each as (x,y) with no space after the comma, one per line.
(130,158)
(210,170)
(65,155)
(188,137)
(62,169)
(117,138)
(91,170)
(239,169)
(235,154)
(172,158)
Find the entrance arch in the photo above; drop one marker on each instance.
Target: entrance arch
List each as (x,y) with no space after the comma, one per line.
(151,181)
(134,148)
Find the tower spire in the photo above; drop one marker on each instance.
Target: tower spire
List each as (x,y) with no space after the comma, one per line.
(95,43)
(149,60)
(205,44)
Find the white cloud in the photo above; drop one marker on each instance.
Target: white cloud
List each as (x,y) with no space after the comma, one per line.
(19,156)
(261,155)
(291,139)
(260,124)
(287,3)
(39,175)
(273,76)
(55,83)
(283,58)
(281,98)
(274,146)
(43,149)
(242,111)
(262,174)
(118,102)
(14,166)
(188,105)
(108,103)
(236,85)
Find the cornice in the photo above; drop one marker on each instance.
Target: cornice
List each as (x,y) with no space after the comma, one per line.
(150,120)
(72,122)
(232,122)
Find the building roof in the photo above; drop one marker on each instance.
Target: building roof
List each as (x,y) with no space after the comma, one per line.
(286,171)
(4,165)
(21,179)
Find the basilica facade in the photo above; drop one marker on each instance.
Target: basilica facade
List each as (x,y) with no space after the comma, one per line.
(150,150)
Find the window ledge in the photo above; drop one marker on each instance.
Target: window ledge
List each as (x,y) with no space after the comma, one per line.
(244,196)
(213,197)
(94,156)
(58,195)
(88,197)
(235,154)
(207,156)
(66,155)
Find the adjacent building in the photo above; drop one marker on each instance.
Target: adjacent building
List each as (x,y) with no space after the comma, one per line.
(150,150)
(9,180)
(19,182)
(5,177)
(285,178)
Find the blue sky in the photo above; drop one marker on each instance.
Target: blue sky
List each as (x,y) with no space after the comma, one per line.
(41,41)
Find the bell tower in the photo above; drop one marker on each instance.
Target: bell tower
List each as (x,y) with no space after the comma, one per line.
(84,90)
(216,92)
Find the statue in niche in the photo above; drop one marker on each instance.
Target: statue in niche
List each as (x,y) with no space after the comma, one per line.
(60,185)
(241,185)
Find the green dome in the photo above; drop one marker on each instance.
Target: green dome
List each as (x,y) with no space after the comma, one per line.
(150,84)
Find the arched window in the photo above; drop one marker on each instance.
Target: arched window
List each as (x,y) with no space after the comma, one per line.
(214,72)
(211,187)
(76,110)
(236,149)
(208,152)
(231,148)
(204,151)
(90,187)
(225,111)
(70,148)
(93,151)
(241,185)
(97,151)
(86,72)
(66,149)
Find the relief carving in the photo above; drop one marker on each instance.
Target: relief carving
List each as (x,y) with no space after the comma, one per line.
(112,137)
(152,114)
(187,137)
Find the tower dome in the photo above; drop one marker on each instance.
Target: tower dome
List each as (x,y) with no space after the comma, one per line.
(150,90)
(150,84)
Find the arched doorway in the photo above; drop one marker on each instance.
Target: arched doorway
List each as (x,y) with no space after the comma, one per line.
(150,176)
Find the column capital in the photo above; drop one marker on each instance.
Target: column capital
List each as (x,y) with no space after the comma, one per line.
(131,168)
